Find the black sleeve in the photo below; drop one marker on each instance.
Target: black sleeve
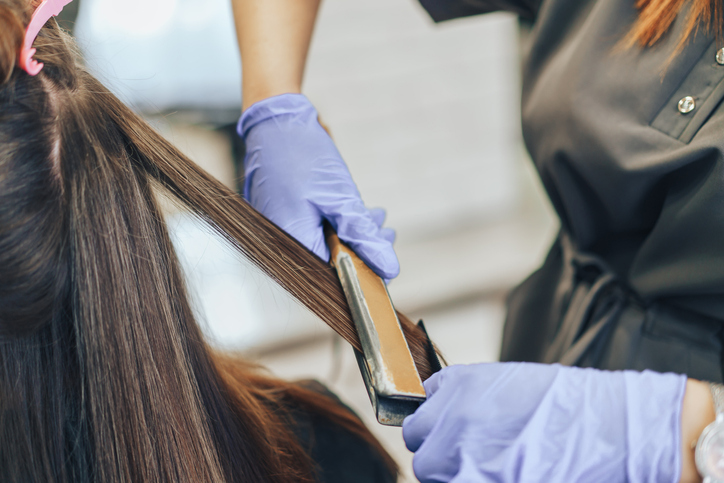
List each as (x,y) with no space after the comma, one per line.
(441,10)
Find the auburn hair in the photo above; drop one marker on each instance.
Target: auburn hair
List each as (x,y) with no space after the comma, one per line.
(656,17)
(104,373)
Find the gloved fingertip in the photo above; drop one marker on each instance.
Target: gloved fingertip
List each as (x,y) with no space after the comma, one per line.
(389,268)
(378,216)
(367,240)
(432,384)
(388,234)
(417,426)
(410,434)
(386,269)
(379,256)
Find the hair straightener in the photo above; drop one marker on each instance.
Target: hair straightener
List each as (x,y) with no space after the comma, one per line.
(393,382)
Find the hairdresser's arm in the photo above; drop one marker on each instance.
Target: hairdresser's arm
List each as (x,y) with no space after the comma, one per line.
(274,38)
(534,422)
(293,173)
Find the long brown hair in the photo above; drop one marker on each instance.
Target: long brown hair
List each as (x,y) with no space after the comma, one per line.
(104,374)
(657,16)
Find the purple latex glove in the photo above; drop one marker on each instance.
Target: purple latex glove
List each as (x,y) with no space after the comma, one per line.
(296,177)
(521,422)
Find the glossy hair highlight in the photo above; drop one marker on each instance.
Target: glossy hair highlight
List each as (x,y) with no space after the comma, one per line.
(104,373)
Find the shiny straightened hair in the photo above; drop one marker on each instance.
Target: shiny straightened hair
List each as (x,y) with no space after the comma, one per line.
(104,374)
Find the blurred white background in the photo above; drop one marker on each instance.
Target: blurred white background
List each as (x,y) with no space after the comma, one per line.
(163,54)
(427,118)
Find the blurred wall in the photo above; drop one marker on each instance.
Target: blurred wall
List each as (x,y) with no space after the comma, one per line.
(427,117)
(163,54)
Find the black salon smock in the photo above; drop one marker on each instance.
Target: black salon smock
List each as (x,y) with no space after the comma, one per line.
(628,144)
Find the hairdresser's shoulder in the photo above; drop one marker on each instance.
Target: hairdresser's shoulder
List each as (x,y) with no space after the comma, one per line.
(441,10)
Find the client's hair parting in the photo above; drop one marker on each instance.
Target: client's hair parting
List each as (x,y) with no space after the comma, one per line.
(104,373)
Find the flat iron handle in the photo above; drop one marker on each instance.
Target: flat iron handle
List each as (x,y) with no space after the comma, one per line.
(383,342)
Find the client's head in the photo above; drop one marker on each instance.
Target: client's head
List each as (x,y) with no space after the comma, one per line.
(34,261)
(104,375)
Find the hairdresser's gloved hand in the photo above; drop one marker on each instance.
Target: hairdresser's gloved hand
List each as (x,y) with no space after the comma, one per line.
(521,422)
(296,177)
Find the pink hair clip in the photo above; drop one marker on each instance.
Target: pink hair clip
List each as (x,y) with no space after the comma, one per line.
(47,9)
